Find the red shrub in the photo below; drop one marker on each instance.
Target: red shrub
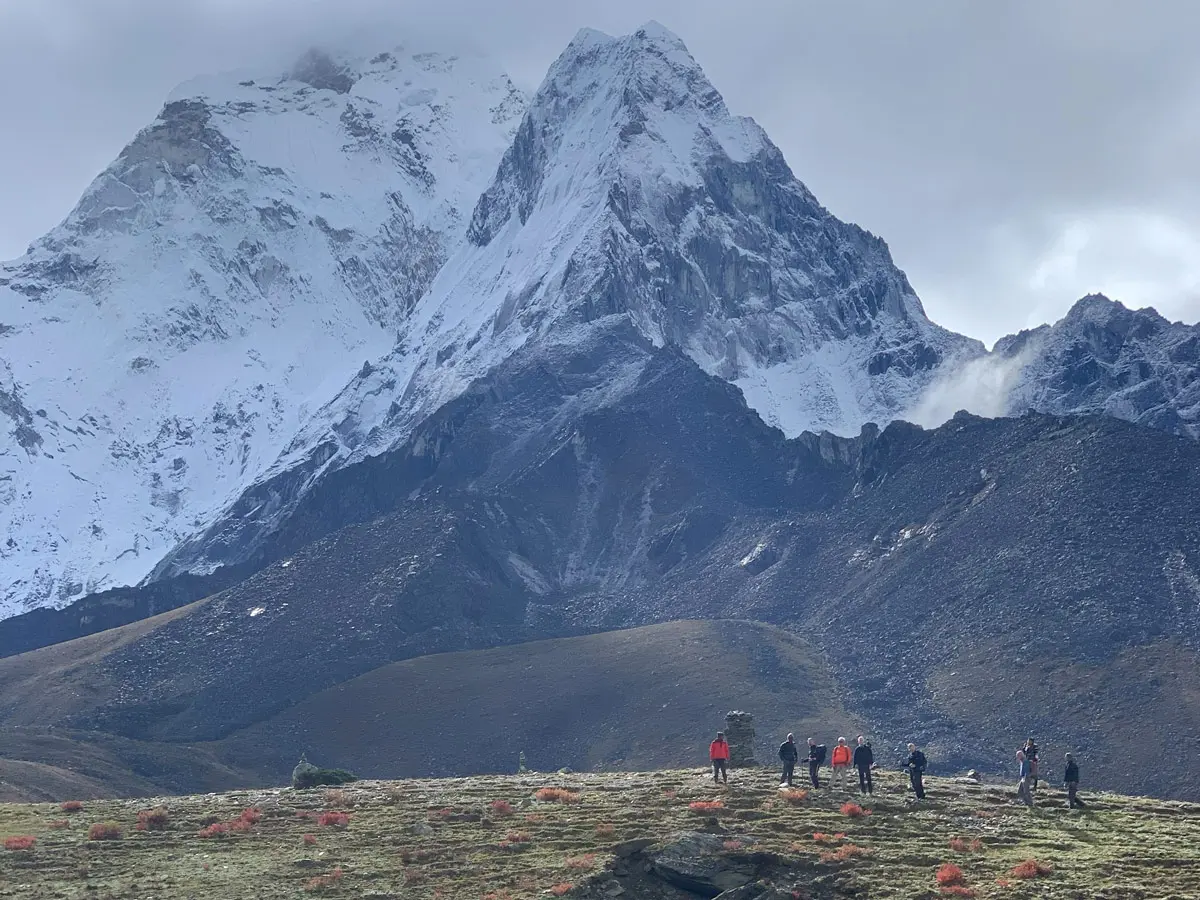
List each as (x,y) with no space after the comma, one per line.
(502,808)
(605,830)
(309,839)
(152,819)
(561,890)
(253,815)
(795,798)
(72,806)
(706,806)
(240,826)
(20,842)
(949,874)
(557,795)
(843,853)
(977,846)
(535,819)
(334,819)
(325,882)
(670,793)
(104,831)
(59,824)
(820,837)
(518,837)
(1031,868)
(733,845)
(957,890)
(214,830)
(414,876)
(584,863)
(854,811)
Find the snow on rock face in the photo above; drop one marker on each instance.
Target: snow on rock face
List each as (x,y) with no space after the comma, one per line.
(224,277)
(631,191)
(1103,358)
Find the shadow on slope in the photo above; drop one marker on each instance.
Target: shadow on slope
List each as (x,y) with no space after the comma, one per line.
(644,697)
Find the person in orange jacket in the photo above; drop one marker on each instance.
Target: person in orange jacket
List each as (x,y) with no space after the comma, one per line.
(841,763)
(718,752)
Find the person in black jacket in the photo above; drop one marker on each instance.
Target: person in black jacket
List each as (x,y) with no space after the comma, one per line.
(1071,779)
(916,770)
(789,754)
(863,760)
(816,756)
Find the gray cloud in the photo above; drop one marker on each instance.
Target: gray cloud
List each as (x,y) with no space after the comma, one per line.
(1015,156)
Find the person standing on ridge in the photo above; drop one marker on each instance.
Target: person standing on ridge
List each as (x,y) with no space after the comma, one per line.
(816,756)
(789,753)
(1025,768)
(863,760)
(916,770)
(1071,779)
(1031,755)
(718,752)
(841,763)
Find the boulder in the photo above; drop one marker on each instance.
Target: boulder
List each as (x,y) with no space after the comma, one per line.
(698,862)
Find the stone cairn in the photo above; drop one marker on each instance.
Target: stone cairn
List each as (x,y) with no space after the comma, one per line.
(739,731)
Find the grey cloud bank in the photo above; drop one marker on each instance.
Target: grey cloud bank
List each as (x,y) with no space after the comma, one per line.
(1015,156)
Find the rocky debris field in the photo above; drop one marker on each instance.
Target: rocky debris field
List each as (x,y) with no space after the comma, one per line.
(671,835)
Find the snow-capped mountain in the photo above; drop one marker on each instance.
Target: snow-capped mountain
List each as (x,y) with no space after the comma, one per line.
(214,287)
(1103,358)
(631,190)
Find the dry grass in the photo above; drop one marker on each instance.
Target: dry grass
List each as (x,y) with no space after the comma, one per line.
(1119,849)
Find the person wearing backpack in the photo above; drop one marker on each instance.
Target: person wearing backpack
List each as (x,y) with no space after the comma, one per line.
(1031,755)
(841,763)
(916,770)
(1025,767)
(816,757)
(863,760)
(788,754)
(718,753)
(1071,779)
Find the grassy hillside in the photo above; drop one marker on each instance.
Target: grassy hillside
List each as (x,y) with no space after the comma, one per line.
(453,839)
(641,698)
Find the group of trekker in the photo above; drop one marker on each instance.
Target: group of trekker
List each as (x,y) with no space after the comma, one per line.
(862,759)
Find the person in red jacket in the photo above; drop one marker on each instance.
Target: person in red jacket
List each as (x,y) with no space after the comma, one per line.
(841,763)
(718,752)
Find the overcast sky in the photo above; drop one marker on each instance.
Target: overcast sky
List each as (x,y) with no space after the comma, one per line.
(1015,155)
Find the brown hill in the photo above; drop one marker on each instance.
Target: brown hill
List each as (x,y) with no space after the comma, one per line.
(639,698)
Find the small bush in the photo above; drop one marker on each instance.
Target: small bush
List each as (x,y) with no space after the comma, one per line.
(152,819)
(706,806)
(561,890)
(441,815)
(733,845)
(535,819)
(72,806)
(216,829)
(1031,868)
(949,874)
(252,815)
(670,793)
(240,826)
(309,839)
(584,863)
(557,795)
(977,846)
(105,831)
(795,798)
(414,876)
(59,824)
(605,830)
(502,808)
(844,853)
(852,810)
(518,837)
(957,890)
(20,842)
(333,819)
(319,777)
(325,882)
